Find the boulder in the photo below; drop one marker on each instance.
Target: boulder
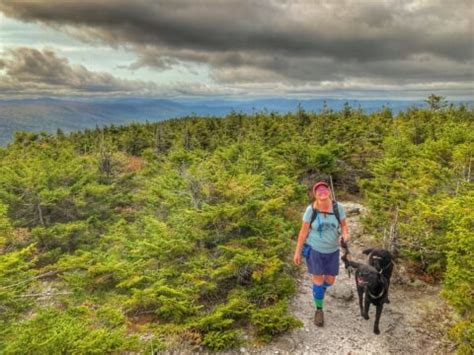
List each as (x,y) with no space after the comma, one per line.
(341,291)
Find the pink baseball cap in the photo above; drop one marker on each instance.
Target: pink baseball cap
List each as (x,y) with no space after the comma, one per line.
(318,184)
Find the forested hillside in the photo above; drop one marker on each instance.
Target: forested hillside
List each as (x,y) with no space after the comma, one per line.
(178,234)
(47,114)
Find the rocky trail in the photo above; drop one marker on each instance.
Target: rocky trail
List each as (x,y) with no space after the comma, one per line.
(406,325)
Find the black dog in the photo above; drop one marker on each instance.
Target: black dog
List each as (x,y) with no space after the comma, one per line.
(371,283)
(382,261)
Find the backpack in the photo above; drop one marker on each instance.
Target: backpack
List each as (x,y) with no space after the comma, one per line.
(335,213)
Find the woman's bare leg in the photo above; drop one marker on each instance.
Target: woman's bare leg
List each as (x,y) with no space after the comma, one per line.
(329,279)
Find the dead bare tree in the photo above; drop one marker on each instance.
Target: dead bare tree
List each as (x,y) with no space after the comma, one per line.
(393,235)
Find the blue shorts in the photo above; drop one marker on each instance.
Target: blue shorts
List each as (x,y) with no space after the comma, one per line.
(323,264)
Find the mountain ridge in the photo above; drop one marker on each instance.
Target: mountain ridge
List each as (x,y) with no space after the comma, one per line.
(70,114)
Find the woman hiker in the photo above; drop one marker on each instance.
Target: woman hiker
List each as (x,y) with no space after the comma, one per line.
(322,247)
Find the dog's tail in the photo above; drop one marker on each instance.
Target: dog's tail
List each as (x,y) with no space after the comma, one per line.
(368,251)
(347,260)
(351,264)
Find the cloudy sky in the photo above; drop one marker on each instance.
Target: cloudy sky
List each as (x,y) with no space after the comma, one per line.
(350,49)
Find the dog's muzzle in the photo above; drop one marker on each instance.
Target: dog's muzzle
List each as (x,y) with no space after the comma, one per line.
(361,281)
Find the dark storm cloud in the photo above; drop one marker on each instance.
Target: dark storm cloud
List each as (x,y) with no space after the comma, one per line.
(291,41)
(30,70)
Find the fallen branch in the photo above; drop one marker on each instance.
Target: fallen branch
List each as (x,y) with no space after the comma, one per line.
(46,274)
(47,294)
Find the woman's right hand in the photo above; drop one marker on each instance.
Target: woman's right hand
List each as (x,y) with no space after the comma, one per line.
(297,258)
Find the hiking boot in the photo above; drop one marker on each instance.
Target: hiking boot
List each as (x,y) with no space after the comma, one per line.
(319,318)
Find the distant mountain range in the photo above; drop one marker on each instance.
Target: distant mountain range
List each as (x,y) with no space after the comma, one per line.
(47,114)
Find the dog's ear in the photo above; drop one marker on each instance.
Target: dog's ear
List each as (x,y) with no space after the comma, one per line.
(368,251)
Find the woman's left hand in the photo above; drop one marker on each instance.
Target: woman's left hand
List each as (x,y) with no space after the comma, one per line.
(343,241)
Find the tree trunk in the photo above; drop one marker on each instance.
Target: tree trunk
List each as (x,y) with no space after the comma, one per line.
(393,235)
(40,214)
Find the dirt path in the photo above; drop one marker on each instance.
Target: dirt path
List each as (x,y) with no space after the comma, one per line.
(403,325)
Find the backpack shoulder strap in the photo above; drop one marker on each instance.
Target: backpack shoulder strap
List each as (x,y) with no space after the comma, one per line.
(313,215)
(335,209)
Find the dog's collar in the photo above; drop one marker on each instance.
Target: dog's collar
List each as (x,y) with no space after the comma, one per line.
(375,297)
(386,267)
(384,288)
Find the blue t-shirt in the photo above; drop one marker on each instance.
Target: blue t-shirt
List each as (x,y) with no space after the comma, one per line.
(323,234)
